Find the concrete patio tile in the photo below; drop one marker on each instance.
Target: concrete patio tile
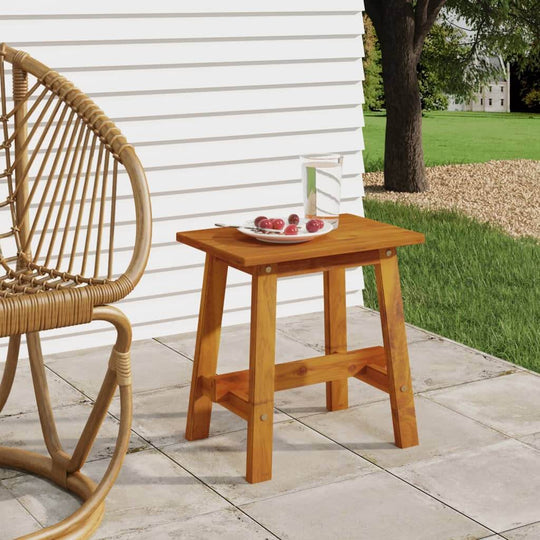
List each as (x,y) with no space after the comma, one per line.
(509,403)
(532,440)
(301,459)
(375,506)
(308,400)
(9,473)
(45,501)
(24,431)
(363,329)
(15,520)
(437,363)
(367,430)
(496,485)
(160,416)
(151,490)
(529,532)
(234,348)
(230,524)
(22,398)
(153,365)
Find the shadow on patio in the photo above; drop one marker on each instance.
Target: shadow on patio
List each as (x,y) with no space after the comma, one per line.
(475,473)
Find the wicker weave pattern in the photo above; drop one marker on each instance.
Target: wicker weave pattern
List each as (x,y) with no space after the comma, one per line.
(65,170)
(62,160)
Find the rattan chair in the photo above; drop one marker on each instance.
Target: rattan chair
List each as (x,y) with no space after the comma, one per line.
(69,179)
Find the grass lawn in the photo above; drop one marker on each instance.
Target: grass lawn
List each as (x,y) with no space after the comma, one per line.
(469,282)
(462,137)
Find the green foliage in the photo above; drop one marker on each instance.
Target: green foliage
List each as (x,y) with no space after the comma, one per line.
(493,27)
(443,67)
(527,77)
(462,137)
(506,27)
(456,52)
(470,282)
(373,82)
(432,94)
(532,100)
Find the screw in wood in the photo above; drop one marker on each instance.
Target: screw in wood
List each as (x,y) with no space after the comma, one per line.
(264,417)
(388,252)
(268,269)
(403,388)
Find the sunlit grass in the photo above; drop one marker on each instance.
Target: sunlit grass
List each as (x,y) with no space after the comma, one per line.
(470,282)
(462,137)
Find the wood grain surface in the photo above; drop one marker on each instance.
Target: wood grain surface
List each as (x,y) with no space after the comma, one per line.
(354,234)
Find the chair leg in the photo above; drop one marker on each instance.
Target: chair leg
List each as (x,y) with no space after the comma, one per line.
(261,377)
(335,333)
(207,347)
(395,346)
(65,470)
(9,369)
(46,416)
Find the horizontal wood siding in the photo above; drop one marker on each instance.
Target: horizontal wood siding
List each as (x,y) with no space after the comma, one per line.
(219,99)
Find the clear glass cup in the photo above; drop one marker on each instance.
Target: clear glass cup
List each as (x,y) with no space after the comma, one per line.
(321,186)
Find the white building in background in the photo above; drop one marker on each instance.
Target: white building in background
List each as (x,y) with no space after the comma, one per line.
(219,100)
(493,97)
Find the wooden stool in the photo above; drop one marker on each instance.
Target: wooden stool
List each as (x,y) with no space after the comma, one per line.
(250,393)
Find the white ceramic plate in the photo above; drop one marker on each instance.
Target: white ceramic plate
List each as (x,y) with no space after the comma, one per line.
(272,238)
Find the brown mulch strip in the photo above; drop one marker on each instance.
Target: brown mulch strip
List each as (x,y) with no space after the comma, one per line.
(503,193)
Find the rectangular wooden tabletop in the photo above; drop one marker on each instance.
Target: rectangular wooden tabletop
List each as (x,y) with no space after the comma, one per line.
(354,234)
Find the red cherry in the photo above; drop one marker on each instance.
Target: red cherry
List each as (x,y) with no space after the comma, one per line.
(312,226)
(265,224)
(291,229)
(320,223)
(259,219)
(278,224)
(294,219)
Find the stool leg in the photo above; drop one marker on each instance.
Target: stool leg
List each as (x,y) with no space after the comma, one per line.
(207,346)
(335,333)
(395,345)
(261,378)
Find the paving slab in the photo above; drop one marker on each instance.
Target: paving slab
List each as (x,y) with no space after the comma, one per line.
(234,348)
(9,473)
(438,363)
(496,485)
(24,431)
(528,532)
(153,366)
(45,501)
(22,398)
(230,524)
(367,430)
(509,403)
(307,400)
(160,416)
(15,519)
(435,363)
(374,506)
(363,329)
(151,490)
(532,440)
(301,459)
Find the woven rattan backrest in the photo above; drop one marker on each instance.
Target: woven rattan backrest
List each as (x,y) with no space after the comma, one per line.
(68,174)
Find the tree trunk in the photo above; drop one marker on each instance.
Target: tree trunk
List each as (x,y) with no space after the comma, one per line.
(403,155)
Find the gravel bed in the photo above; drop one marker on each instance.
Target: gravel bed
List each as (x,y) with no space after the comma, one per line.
(503,193)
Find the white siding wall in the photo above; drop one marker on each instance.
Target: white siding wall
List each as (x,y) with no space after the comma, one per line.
(219,99)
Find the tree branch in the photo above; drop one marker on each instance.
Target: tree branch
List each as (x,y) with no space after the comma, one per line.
(426,13)
(374,9)
(420,16)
